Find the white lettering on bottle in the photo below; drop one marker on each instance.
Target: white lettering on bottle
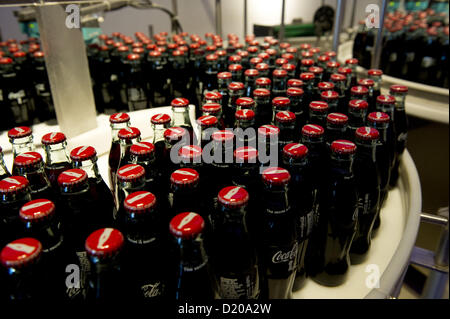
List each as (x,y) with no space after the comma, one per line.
(283,257)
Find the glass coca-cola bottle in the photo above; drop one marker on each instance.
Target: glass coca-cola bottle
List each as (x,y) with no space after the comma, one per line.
(339,84)
(336,128)
(368,184)
(347,72)
(278,234)
(21,139)
(244,124)
(31,166)
(236,91)
(106,279)
(235,258)
(263,106)
(357,114)
(296,161)
(286,122)
(375,76)
(210,76)
(369,84)
(295,95)
(43,100)
(250,77)
(331,68)
(236,71)
(160,123)
(399,93)
(159,88)
(318,112)
(222,161)
(352,63)
(332,99)
(279,104)
(127,137)
(338,219)
(22,271)
(212,97)
(179,74)
(14,193)
(194,280)
(263,70)
(143,153)
(136,93)
(223,81)
(359,93)
(295,83)
(117,122)
(268,136)
(56,156)
(279,84)
(214,109)
(85,158)
(308,87)
(181,118)
(246,168)
(145,240)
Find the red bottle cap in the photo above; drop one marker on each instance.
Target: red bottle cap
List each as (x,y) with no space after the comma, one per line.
(133,57)
(212,57)
(358,104)
(174,133)
(329,95)
(184,176)
(252,49)
(314,50)
(333,65)
(359,90)
(268,130)
(323,58)
(129,133)
(207,121)
(263,56)
(375,72)
(213,96)
(276,176)
(318,106)
(263,81)
(398,88)
(291,50)
(212,108)
(307,76)
(21,252)
(337,118)
(236,86)
(307,62)
(261,93)
(385,99)
(53,138)
(234,67)
(139,202)
(324,86)
(82,153)
(190,152)
(296,83)
(367,133)
(284,45)
(224,75)
(343,147)
(6,61)
(142,148)
(160,118)
(378,117)
(366,82)
(155,53)
(71,177)
(140,51)
(180,102)
(211,48)
(233,197)
(312,130)
(251,72)
(37,210)
(338,77)
(305,46)
(13,184)
(307,54)
(234,59)
(279,73)
(27,159)
(245,154)
(316,70)
(130,172)
(186,225)
(281,102)
(244,114)
(19,54)
(245,102)
(104,242)
(352,61)
(295,150)
(285,117)
(20,131)
(288,67)
(38,54)
(294,91)
(262,67)
(344,70)
(222,136)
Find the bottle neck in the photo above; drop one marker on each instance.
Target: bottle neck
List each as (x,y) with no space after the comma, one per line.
(22,145)
(382,129)
(192,253)
(90,167)
(141,228)
(35,175)
(181,117)
(48,231)
(342,165)
(103,278)
(158,132)
(399,101)
(366,150)
(276,198)
(56,153)
(115,128)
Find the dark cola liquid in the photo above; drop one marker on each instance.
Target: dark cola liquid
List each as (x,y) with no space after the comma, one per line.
(103,200)
(53,171)
(113,162)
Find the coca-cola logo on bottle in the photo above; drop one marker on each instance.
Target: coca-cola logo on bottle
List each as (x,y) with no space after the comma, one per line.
(284,257)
